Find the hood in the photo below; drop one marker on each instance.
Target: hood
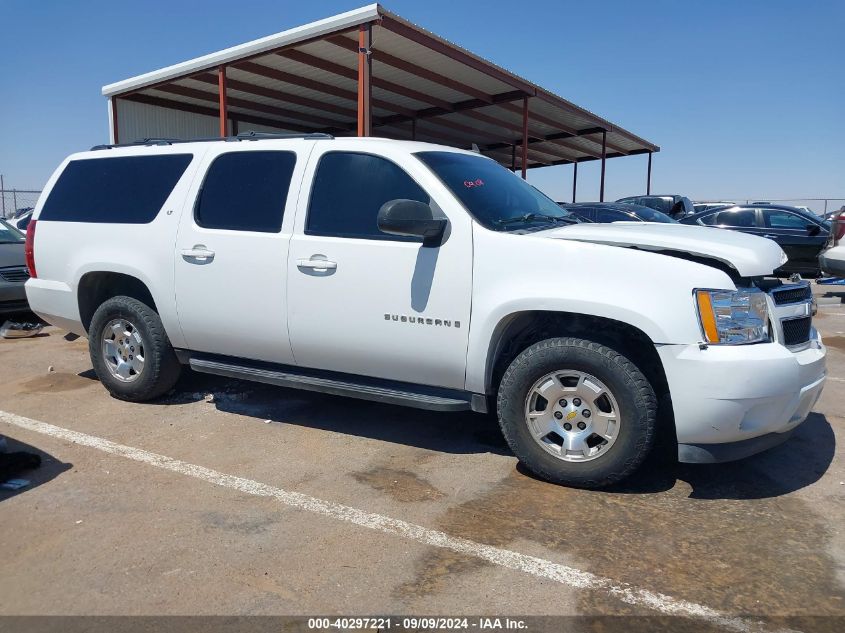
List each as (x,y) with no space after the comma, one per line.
(749,255)
(12,255)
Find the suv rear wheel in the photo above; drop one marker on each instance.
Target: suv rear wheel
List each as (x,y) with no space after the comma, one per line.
(576,412)
(130,351)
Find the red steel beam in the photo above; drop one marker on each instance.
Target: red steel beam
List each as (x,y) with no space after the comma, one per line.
(349,73)
(114,120)
(221,93)
(603,161)
(202,95)
(365,69)
(432,43)
(319,86)
(278,95)
(210,112)
(414,69)
(524,137)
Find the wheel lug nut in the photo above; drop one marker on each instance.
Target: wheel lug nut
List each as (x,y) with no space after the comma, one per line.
(586,413)
(562,402)
(582,426)
(576,402)
(558,415)
(567,426)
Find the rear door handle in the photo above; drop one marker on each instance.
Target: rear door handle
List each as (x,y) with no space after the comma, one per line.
(316,264)
(199,253)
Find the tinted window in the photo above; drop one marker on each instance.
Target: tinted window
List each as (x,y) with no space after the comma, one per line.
(663,205)
(744,218)
(606,215)
(647,214)
(124,190)
(9,234)
(348,191)
(784,220)
(246,191)
(495,196)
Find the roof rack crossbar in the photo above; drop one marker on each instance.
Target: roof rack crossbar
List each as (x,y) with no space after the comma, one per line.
(244,136)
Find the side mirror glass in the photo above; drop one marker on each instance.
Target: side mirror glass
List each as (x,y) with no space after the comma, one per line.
(411,218)
(813,229)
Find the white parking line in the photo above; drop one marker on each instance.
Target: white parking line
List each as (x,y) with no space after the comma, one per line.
(532,565)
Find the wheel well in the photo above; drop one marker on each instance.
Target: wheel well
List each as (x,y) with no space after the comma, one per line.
(523,329)
(95,288)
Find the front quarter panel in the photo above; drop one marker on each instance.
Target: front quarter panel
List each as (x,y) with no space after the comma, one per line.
(518,273)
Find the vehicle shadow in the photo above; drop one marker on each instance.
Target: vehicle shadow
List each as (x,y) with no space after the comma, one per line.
(459,433)
(795,464)
(49,469)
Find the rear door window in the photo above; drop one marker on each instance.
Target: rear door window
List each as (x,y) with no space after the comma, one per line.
(348,191)
(608,215)
(122,190)
(246,191)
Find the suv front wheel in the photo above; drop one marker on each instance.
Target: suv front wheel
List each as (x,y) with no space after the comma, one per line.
(130,351)
(576,412)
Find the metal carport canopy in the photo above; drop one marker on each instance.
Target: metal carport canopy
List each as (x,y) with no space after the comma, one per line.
(370,72)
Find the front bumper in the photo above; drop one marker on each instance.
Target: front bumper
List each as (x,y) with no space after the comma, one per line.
(12,298)
(731,394)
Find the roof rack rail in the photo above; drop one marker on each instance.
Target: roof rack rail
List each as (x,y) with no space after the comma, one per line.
(244,136)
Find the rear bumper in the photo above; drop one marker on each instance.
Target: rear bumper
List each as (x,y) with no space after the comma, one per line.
(833,264)
(736,394)
(55,302)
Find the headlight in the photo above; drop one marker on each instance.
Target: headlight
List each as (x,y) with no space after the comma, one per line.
(733,317)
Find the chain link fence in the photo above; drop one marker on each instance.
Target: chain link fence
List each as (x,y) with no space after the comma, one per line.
(14,202)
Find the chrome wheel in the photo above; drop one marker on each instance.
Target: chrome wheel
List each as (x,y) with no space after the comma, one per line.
(572,415)
(123,350)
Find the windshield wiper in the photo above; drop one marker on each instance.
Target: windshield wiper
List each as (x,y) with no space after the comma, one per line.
(530,217)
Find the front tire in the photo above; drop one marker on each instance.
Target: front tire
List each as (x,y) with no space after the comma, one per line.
(130,350)
(577,413)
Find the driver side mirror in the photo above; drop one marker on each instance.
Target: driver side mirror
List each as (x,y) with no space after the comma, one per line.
(813,229)
(411,218)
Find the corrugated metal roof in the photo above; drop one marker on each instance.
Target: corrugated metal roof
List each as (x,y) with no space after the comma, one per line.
(305,79)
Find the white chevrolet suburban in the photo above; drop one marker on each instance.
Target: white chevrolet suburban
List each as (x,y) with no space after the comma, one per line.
(426,276)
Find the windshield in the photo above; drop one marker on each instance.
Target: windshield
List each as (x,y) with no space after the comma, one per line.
(496,197)
(9,234)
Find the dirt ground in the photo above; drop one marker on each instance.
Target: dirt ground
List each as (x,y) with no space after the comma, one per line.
(97,533)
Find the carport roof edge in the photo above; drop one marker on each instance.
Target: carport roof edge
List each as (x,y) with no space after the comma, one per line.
(562,129)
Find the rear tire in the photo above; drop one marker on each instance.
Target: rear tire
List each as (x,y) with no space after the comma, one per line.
(130,350)
(599,419)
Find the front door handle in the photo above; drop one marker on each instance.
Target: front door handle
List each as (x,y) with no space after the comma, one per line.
(771,237)
(316,264)
(199,253)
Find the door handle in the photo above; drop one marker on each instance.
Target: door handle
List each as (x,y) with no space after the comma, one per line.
(199,252)
(771,237)
(316,264)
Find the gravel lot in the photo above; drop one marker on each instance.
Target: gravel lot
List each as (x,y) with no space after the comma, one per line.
(106,530)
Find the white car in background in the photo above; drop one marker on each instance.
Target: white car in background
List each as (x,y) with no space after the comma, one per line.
(832,259)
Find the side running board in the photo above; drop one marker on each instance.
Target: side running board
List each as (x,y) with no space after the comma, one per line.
(404,395)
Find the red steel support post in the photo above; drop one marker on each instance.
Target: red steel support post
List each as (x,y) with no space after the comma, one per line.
(364,76)
(513,158)
(648,178)
(574,181)
(114,120)
(221,95)
(524,138)
(603,159)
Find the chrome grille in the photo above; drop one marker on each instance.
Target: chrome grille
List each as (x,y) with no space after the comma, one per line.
(792,294)
(796,331)
(14,273)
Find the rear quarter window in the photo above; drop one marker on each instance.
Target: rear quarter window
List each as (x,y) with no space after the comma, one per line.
(121,190)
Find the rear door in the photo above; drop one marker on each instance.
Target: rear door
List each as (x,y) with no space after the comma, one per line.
(790,230)
(232,250)
(368,303)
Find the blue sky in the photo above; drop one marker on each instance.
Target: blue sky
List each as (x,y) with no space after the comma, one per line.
(746,99)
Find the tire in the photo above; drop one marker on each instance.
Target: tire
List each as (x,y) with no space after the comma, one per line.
(151,373)
(620,446)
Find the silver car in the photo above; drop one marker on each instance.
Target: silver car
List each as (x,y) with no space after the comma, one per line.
(13,271)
